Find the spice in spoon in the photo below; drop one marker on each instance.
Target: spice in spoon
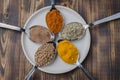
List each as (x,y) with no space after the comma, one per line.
(67,51)
(45,54)
(54,21)
(72,31)
(69,54)
(40,34)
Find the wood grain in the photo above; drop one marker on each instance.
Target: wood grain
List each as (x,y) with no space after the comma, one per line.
(103,60)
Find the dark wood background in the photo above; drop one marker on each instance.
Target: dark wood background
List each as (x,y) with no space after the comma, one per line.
(103,60)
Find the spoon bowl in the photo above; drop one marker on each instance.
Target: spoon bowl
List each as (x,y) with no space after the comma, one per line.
(54,20)
(34,68)
(29,32)
(70,55)
(68,34)
(40,34)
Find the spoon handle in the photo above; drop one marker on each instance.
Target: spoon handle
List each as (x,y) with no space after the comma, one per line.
(30,73)
(52,2)
(109,18)
(7,26)
(85,71)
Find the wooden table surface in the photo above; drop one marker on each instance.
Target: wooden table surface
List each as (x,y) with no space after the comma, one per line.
(103,60)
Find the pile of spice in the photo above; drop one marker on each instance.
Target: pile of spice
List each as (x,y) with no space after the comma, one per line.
(67,51)
(40,34)
(45,54)
(54,21)
(72,31)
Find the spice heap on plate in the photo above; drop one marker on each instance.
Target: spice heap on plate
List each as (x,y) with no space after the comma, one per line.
(72,31)
(40,34)
(67,51)
(45,54)
(54,21)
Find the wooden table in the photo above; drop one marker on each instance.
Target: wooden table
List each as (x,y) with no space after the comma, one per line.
(103,60)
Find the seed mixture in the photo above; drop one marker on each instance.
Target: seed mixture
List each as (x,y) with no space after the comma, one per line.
(45,54)
(72,31)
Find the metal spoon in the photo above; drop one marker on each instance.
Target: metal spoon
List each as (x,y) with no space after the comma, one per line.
(79,65)
(83,69)
(54,8)
(34,68)
(80,34)
(107,19)
(26,31)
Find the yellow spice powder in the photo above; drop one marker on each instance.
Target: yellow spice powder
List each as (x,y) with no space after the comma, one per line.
(67,51)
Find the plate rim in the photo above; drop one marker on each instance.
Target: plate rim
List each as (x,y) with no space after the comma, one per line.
(39,10)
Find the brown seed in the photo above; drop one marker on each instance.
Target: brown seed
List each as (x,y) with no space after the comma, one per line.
(45,54)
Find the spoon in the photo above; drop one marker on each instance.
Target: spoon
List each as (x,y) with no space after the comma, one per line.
(53,5)
(70,55)
(83,69)
(83,29)
(29,32)
(34,68)
(54,20)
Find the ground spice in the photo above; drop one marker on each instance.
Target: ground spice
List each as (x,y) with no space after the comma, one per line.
(54,21)
(45,54)
(72,31)
(39,34)
(67,51)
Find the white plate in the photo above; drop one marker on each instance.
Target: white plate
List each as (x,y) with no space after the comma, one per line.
(58,66)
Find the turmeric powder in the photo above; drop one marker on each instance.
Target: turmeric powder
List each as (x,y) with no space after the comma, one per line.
(54,21)
(67,51)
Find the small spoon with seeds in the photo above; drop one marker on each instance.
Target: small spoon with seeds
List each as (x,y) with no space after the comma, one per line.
(43,59)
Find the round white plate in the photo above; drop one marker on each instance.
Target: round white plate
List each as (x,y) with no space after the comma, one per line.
(29,47)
